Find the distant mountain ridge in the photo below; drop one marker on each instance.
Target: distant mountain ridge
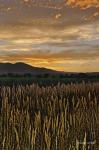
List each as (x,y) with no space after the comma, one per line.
(22,68)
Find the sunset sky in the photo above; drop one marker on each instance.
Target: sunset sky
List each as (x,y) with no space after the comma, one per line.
(56,34)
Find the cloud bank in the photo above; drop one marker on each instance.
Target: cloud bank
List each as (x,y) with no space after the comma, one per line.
(62,35)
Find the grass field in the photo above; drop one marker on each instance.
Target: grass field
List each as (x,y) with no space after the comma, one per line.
(57,117)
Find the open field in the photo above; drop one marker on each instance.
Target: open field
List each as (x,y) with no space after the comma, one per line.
(61,117)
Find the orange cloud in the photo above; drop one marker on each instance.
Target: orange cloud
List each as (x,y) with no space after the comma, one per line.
(61,3)
(57,16)
(96,14)
(83,3)
(92,17)
(56,63)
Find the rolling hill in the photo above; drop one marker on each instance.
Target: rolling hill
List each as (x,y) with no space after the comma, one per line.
(22,68)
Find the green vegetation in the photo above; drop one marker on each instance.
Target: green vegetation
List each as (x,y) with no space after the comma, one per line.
(57,117)
(45,79)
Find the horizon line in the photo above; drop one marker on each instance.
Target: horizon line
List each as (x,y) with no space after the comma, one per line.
(48,68)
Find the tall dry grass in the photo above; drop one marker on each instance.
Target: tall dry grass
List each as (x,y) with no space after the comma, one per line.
(62,117)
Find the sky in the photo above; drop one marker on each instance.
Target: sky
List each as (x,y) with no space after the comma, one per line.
(57,34)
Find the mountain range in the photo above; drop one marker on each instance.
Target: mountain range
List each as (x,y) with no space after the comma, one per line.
(22,68)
